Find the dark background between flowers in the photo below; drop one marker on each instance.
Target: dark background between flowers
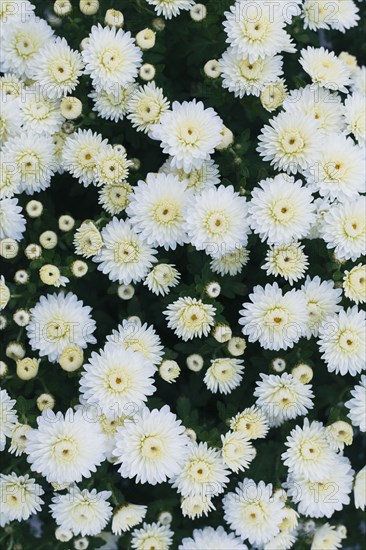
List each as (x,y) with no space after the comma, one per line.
(179,54)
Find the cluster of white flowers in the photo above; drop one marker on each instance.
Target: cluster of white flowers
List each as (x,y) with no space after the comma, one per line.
(315,144)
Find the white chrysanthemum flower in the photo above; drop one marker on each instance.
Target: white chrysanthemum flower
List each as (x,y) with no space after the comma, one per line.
(39,113)
(207,175)
(116,377)
(10,118)
(354,284)
(19,439)
(14,10)
(20,497)
(20,43)
(340,15)
(357,405)
(289,142)
(342,341)
(355,116)
(326,537)
(322,206)
(58,320)
(114,104)
(325,68)
(196,506)
(244,77)
(337,170)
(286,260)
(255,30)
(252,512)
(281,210)
(12,221)
(322,300)
(65,448)
(33,158)
(126,517)
(237,451)
(114,198)
(87,239)
(189,133)
(190,318)
(111,57)
(8,417)
(79,155)
(224,375)
(11,85)
(170,8)
(230,263)
(57,68)
(125,257)
(358,80)
(142,338)
(283,541)
(209,538)
(111,166)
(344,229)
(162,278)
(283,397)
(322,498)
(83,512)
(309,454)
(146,106)
(152,448)
(216,221)
(152,535)
(251,422)
(277,320)
(157,210)
(319,103)
(359,489)
(10,179)
(339,434)
(203,473)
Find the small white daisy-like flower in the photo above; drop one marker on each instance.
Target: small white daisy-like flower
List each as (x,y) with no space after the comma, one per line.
(87,240)
(157,210)
(357,405)
(237,451)
(10,119)
(125,257)
(8,417)
(196,506)
(152,535)
(65,448)
(10,179)
(308,452)
(230,263)
(142,338)
(114,198)
(283,397)
(359,489)
(19,439)
(358,80)
(288,261)
(188,133)
(146,106)
(171,8)
(83,512)
(198,179)
(203,473)
(319,14)
(252,422)
(190,318)
(153,448)
(339,434)
(326,537)
(32,157)
(281,210)
(111,166)
(224,375)
(79,155)
(20,497)
(11,85)
(162,278)
(253,512)
(126,517)
(244,77)
(342,341)
(12,221)
(325,68)
(116,377)
(216,221)
(289,142)
(20,43)
(337,170)
(57,68)
(344,229)
(40,114)
(277,320)
(354,284)
(58,320)
(322,300)
(208,538)
(255,30)
(114,104)
(355,116)
(111,57)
